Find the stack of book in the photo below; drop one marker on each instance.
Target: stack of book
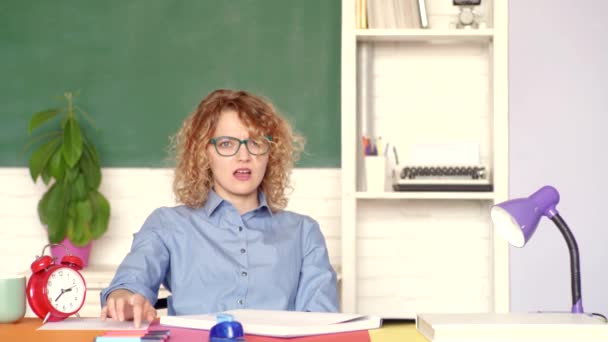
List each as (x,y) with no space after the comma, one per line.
(391,14)
(493,327)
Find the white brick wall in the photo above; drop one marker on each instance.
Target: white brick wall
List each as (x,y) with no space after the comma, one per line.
(411,253)
(133,194)
(423,255)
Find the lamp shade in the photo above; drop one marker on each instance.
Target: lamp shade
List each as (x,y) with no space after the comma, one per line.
(517,219)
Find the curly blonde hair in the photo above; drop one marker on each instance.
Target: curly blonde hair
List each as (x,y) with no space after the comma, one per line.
(193,177)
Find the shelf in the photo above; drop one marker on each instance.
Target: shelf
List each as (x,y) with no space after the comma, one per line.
(385,75)
(395,35)
(425,195)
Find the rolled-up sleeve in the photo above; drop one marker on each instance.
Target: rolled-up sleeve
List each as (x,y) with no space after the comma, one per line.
(317,289)
(146,265)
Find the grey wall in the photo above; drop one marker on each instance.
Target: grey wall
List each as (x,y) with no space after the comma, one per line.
(558,74)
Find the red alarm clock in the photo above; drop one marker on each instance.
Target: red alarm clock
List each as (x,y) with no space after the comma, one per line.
(55,292)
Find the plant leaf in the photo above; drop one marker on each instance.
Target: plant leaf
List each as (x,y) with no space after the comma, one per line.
(92,152)
(72,142)
(57,165)
(71,174)
(57,213)
(41,156)
(91,171)
(40,118)
(80,233)
(34,140)
(69,228)
(86,115)
(84,210)
(101,214)
(46,176)
(44,202)
(79,188)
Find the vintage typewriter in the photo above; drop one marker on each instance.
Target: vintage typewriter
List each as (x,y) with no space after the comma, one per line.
(441,178)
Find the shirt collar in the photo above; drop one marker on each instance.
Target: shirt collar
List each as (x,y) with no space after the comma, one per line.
(214,200)
(263,203)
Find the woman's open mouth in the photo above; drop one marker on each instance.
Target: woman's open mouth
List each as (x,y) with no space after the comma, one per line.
(242,174)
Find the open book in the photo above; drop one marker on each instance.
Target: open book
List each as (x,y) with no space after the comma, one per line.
(495,327)
(281,323)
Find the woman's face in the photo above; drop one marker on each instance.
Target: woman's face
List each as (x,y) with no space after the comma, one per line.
(236,178)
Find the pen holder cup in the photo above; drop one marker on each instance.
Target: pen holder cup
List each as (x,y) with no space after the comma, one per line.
(375,173)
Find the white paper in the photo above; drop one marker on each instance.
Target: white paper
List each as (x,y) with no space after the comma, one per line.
(281,323)
(92,323)
(460,154)
(292,318)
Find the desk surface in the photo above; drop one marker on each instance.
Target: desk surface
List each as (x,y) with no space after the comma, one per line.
(25,331)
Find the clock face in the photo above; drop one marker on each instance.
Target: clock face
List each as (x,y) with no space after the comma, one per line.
(65,290)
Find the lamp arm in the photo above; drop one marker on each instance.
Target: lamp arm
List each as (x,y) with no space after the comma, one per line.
(575,270)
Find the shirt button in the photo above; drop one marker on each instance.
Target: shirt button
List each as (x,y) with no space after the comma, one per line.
(244,274)
(243,250)
(240,228)
(241,301)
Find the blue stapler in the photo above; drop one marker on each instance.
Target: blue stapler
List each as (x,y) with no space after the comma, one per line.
(226,330)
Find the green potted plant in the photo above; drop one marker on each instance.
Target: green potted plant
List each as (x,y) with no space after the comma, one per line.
(72,208)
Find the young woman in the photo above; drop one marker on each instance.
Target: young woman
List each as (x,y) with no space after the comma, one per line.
(230,245)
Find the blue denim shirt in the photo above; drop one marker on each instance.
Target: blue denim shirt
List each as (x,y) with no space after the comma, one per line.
(214,259)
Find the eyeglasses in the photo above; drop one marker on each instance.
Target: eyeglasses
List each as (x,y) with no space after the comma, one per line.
(229,146)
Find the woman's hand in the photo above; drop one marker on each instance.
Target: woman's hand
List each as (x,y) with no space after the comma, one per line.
(124,305)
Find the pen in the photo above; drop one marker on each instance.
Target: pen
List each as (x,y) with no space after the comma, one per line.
(396,156)
(366,150)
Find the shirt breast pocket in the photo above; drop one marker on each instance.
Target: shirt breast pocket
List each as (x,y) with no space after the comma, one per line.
(279,259)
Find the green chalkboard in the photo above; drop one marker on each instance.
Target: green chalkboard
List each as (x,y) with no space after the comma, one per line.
(142,66)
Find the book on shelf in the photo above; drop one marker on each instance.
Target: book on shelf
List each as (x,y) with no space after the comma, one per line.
(364,14)
(281,323)
(497,327)
(423,14)
(395,14)
(361,14)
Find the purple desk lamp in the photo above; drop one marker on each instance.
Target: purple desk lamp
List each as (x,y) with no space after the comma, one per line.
(517,219)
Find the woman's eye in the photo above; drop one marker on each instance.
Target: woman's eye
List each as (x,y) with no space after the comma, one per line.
(226,143)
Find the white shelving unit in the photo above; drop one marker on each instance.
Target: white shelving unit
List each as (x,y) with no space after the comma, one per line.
(395,35)
(410,252)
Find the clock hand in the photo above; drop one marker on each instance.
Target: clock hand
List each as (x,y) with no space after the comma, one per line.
(62,292)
